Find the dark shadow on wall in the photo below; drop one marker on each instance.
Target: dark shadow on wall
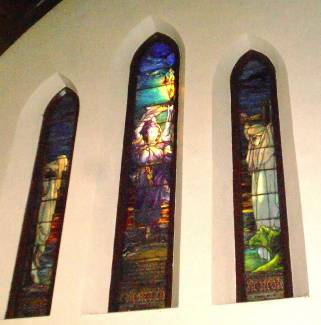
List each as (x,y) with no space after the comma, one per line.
(16,17)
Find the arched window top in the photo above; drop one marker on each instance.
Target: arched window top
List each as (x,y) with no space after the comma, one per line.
(154,69)
(253,78)
(252,58)
(59,123)
(158,51)
(36,263)
(261,234)
(143,249)
(63,105)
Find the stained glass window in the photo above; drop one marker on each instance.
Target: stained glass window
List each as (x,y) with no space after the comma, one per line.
(34,275)
(143,250)
(262,249)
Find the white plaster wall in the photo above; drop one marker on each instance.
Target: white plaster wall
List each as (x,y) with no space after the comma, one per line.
(91,43)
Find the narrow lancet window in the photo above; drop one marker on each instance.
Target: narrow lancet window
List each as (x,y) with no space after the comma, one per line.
(261,235)
(34,275)
(143,250)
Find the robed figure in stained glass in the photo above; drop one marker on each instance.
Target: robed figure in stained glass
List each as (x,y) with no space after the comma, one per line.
(262,167)
(142,264)
(259,197)
(34,277)
(261,163)
(151,147)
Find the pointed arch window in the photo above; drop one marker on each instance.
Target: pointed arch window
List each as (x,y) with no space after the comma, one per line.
(143,249)
(261,232)
(35,269)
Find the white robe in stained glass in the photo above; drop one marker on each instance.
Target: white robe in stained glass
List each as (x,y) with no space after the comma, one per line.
(262,166)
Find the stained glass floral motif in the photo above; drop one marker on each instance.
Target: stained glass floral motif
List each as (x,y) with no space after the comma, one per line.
(33,281)
(258,182)
(142,268)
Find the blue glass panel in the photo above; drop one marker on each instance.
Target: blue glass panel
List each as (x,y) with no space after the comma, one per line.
(158,56)
(61,129)
(256,87)
(63,109)
(59,138)
(152,96)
